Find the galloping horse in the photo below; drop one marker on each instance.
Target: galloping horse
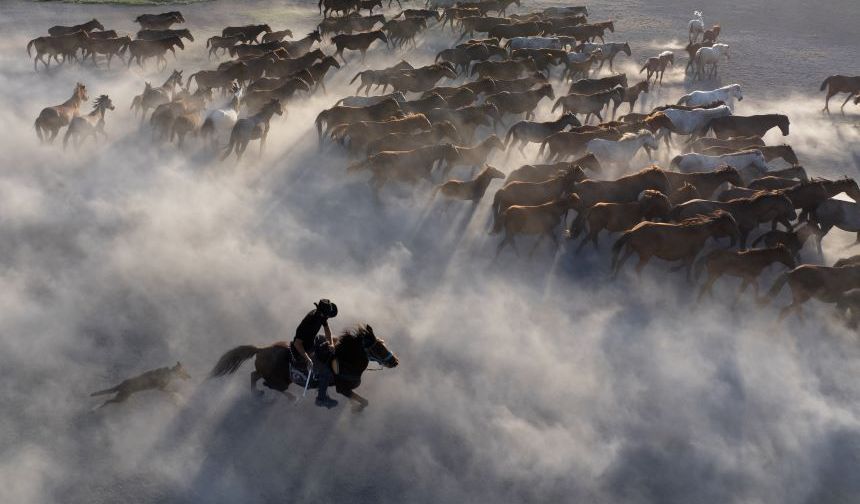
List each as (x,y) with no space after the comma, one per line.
(152,97)
(51,119)
(353,351)
(89,125)
(836,84)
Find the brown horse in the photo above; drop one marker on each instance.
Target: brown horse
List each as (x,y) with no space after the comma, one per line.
(746,264)
(93,24)
(363,132)
(566,144)
(521,103)
(544,172)
(755,125)
(252,128)
(108,47)
(51,119)
(152,97)
(539,219)
(684,194)
(89,125)
(530,194)
(404,166)
(408,141)
(630,95)
(672,242)
(591,86)
(656,66)
(356,42)
(142,50)
(808,281)
(341,114)
(836,84)
(699,144)
(793,240)
(711,34)
(475,155)
(748,212)
(278,366)
(705,182)
(619,217)
(473,189)
(64,45)
(247,33)
(161,21)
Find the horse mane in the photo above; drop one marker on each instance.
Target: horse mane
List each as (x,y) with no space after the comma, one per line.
(725,169)
(352,335)
(99,101)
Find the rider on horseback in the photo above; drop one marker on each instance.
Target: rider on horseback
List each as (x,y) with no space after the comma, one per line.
(318,352)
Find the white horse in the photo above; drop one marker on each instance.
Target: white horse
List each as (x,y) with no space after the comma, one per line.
(696,27)
(534,43)
(219,122)
(751,164)
(620,152)
(688,122)
(726,94)
(710,56)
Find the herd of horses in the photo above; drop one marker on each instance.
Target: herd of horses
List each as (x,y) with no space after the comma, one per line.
(406,128)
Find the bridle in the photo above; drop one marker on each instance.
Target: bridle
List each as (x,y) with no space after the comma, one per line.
(370,356)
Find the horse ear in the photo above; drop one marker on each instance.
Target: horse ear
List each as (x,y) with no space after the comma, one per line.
(369,329)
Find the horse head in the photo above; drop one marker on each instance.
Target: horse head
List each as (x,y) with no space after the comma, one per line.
(723,224)
(492,173)
(375,348)
(81,92)
(180,372)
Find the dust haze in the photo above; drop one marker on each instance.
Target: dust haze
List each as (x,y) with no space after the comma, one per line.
(522,381)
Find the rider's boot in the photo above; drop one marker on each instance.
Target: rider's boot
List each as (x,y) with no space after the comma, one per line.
(322,394)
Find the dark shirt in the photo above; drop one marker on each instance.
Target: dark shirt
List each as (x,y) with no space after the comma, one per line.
(308,330)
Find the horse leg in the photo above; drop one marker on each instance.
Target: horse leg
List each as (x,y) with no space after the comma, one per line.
(120,397)
(535,246)
(626,255)
(706,287)
(842,108)
(643,260)
(830,94)
(359,402)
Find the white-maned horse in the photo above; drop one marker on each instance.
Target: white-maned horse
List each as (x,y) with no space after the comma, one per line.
(751,164)
(696,27)
(725,94)
(220,122)
(620,152)
(534,43)
(710,56)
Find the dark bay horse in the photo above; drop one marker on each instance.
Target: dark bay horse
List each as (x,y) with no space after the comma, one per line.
(354,349)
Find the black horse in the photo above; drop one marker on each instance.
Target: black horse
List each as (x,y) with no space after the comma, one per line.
(278,366)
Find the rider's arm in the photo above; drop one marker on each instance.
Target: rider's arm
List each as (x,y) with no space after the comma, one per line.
(300,346)
(327,332)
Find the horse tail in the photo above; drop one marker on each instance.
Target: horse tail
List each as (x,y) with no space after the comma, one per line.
(37,124)
(683,99)
(30,44)
(822,88)
(209,42)
(676,161)
(359,74)
(644,67)
(230,361)
(617,246)
(105,391)
(188,82)
(777,286)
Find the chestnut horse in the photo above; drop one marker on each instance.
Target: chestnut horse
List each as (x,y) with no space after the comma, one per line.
(51,119)
(354,349)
